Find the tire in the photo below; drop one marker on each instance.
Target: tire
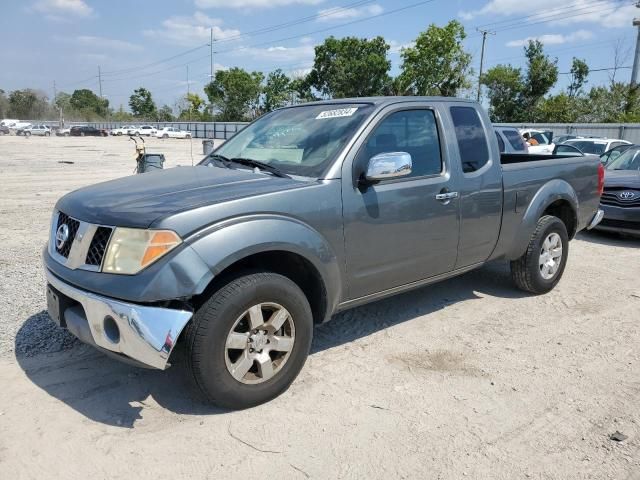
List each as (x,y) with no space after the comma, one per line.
(165,136)
(47,134)
(27,134)
(527,271)
(82,134)
(119,134)
(209,360)
(66,134)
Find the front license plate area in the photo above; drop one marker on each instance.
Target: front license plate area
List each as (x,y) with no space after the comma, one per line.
(53,305)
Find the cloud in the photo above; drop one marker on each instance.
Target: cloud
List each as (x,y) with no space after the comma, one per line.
(107,43)
(55,9)
(253,3)
(340,13)
(298,54)
(188,31)
(553,38)
(396,47)
(608,13)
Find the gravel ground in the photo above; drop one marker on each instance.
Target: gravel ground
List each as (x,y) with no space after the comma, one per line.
(469,377)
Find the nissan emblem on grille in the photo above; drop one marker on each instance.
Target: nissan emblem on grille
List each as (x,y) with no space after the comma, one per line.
(627,195)
(62,235)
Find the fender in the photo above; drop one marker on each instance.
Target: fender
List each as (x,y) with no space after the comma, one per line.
(550,192)
(224,243)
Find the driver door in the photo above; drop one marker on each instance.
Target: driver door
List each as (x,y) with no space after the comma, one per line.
(398,231)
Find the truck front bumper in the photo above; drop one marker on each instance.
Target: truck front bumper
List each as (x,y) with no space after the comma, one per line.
(144,334)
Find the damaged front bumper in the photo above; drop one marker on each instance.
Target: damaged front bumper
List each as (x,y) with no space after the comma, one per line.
(144,334)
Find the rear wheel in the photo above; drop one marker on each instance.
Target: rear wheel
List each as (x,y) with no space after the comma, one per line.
(27,134)
(541,267)
(82,134)
(47,134)
(165,135)
(249,340)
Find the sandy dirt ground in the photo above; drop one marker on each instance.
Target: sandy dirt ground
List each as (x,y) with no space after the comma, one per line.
(468,378)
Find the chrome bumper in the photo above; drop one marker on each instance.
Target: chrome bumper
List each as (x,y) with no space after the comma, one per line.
(145,334)
(597,218)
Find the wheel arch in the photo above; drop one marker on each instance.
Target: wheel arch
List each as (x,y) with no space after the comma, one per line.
(556,197)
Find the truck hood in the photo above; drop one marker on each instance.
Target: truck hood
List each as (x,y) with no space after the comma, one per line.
(139,200)
(622,179)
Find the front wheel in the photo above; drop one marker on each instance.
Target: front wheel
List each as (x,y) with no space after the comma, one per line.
(247,343)
(165,136)
(541,267)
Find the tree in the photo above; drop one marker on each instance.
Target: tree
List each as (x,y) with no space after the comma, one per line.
(579,74)
(301,90)
(141,104)
(560,108)
(235,93)
(88,104)
(4,104)
(438,63)
(165,114)
(620,102)
(541,76)
(191,109)
(63,101)
(277,91)
(504,89)
(351,67)
(27,104)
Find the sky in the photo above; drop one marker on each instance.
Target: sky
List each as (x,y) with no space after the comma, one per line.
(153,43)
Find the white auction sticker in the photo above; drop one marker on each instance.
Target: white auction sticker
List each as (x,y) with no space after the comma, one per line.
(340,112)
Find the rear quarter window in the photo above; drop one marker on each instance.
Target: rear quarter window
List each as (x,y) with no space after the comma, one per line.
(472,141)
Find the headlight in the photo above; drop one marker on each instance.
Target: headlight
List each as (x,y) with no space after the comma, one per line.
(132,249)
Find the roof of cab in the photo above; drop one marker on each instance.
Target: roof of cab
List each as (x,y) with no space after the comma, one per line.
(389,100)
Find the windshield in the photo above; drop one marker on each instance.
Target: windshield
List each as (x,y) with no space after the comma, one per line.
(629,160)
(301,140)
(585,146)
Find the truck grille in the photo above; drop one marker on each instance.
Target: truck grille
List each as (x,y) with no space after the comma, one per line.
(614,198)
(98,246)
(72,225)
(85,245)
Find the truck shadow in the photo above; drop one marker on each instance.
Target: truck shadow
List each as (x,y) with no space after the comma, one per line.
(612,239)
(116,394)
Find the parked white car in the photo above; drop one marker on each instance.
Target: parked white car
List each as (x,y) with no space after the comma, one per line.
(595,146)
(63,132)
(539,142)
(171,132)
(145,130)
(9,122)
(39,130)
(126,130)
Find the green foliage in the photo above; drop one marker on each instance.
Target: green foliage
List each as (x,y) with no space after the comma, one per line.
(89,105)
(505,89)
(142,104)
(63,101)
(4,104)
(165,114)
(121,116)
(27,104)
(351,67)
(620,102)
(235,93)
(438,63)
(579,74)
(561,108)
(301,89)
(541,76)
(277,91)
(192,108)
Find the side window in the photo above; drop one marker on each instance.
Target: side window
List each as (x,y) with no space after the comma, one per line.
(472,142)
(515,139)
(500,142)
(412,131)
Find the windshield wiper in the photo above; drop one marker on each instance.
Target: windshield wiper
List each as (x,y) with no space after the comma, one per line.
(250,162)
(224,160)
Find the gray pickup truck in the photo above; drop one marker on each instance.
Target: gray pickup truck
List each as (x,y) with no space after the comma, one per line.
(308,211)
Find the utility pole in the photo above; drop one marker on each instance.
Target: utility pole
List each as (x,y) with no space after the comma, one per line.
(188,93)
(100,80)
(484,41)
(212,73)
(636,58)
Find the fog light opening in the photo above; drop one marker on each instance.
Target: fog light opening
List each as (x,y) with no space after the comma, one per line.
(111,330)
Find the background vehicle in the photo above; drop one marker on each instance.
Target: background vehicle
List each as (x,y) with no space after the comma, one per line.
(308,211)
(123,130)
(595,146)
(20,126)
(87,131)
(39,130)
(8,122)
(614,152)
(171,132)
(510,140)
(567,150)
(63,132)
(4,130)
(538,142)
(621,198)
(145,130)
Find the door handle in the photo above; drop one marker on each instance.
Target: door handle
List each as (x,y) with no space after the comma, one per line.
(446,196)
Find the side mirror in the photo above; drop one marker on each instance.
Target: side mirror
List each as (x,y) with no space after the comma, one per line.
(385,166)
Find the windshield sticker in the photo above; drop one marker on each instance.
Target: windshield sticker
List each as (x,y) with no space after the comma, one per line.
(340,112)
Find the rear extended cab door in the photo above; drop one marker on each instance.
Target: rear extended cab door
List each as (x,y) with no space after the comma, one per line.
(476,157)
